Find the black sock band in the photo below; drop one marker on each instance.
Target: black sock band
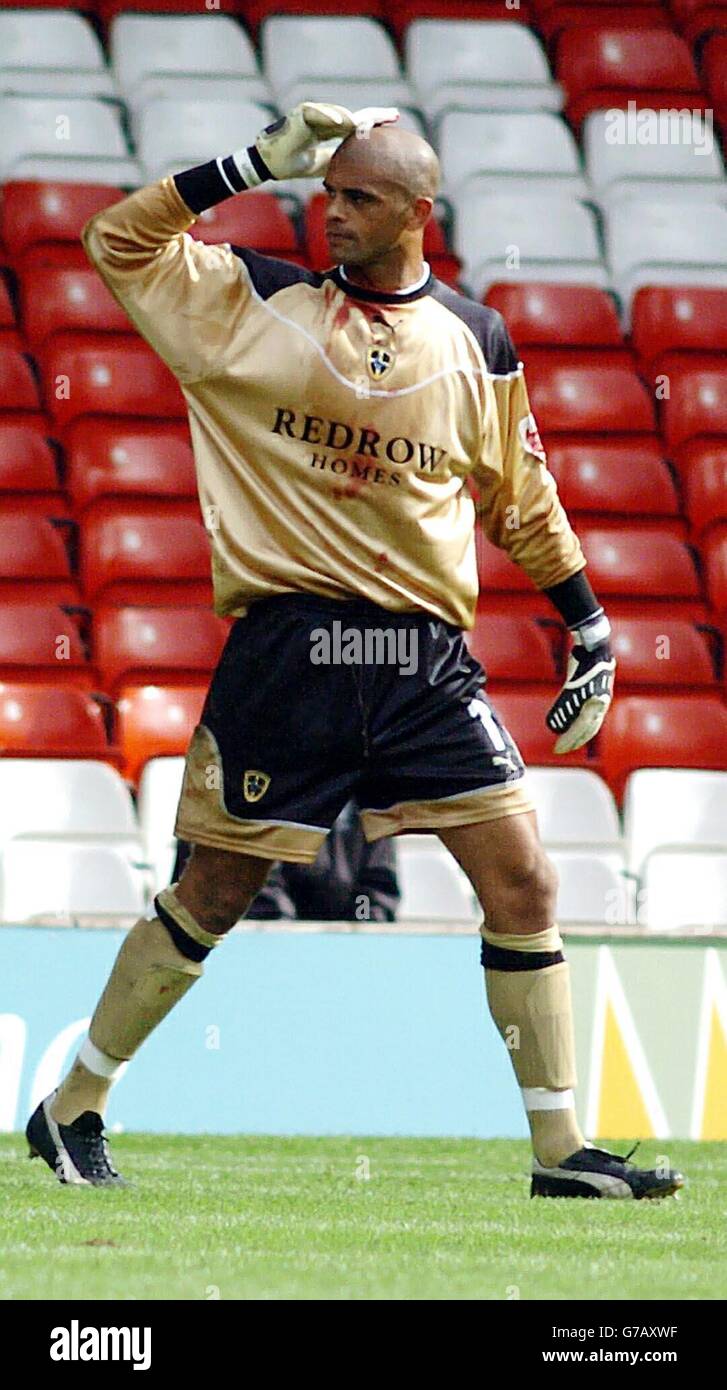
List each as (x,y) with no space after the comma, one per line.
(496,958)
(184,943)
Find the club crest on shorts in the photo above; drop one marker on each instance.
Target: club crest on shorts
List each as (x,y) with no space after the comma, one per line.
(530,437)
(380,361)
(255,785)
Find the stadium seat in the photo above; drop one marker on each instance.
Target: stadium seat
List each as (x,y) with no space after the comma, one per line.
(603,68)
(106,11)
(714,552)
(294,49)
(46,53)
(503,152)
(54,298)
(51,721)
(39,642)
(681,317)
(604,480)
(513,649)
(178,134)
(648,241)
(357,93)
(133,645)
(257,10)
(705,488)
(156,721)
(8,327)
(459,62)
(667,167)
(43,879)
(258,220)
(523,714)
(668,653)
(515,237)
(160,785)
(144,553)
(571,392)
(143,45)
(662,731)
(697,404)
(672,807)
(84,140)
(574,807)
(41,223)
(432,884)
(111,374)
(697,19)
(79,798)
(562,15)
(714,68)
(444,264)
(134,457)
(633,563)
(544,315)
(28,478)
(34,561)
(684,890)
(591,887)
(18,387)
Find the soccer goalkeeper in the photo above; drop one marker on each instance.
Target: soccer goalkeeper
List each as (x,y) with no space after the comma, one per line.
(337,421)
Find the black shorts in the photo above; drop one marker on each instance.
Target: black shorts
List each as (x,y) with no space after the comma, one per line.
(316,701)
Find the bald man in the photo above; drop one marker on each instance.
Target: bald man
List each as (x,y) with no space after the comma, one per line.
(339,421)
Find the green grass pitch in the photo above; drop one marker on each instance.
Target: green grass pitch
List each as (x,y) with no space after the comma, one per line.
(264,1218)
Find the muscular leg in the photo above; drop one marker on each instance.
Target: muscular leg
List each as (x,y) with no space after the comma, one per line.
(158,962)
(527,980)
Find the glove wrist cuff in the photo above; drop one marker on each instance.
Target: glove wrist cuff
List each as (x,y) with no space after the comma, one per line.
(593,632)
(251,166)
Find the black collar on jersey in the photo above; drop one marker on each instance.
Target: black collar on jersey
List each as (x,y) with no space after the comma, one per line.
(380,296)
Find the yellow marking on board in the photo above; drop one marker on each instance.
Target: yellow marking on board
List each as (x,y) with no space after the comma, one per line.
(714,1114)
(621,1106)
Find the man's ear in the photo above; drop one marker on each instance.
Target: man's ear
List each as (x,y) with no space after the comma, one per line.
(421,212)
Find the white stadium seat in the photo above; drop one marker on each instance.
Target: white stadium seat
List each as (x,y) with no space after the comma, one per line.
(159,87)
(433,886)
(686,889)
(294,49)
(592,887)
(185,45)
(646,236)
(656,167)
(47,51)
(487,149)
(574,807)
(78,138)
(519,238)
(159,789)
(41,878)
(75,797)
(465,63)
(673,807)
(352,92)
(173,135)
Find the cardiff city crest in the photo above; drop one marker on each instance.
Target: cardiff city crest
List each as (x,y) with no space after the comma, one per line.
(380,361)
(255,785)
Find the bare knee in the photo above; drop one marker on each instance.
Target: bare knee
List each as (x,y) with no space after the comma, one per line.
(218,886)
(525,893)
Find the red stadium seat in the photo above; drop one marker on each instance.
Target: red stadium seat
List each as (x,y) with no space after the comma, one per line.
(604,68)
(156,721)
(698,18)
(18,387)
(39,642)
(51,721)
(28,477)
(106,374)
(513,649)
(34,561)
(662,731)
(714,66)
(54,298)
(617,479)
(523,714)
(664,652)
(697,404)
(643,564)
(131,458)
(255,11)
(572,393)
(258,220)
(557,315)
(144,553)
(714,551)
(41,223)
(705,487)
(559,15)
(134,645)
(400,13)
(8,327)
(668,318)
(500,577)
(443,262)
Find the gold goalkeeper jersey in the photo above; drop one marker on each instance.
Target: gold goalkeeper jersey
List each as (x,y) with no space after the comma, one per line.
(337,432)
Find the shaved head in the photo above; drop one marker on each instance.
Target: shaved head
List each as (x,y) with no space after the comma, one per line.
(389,154)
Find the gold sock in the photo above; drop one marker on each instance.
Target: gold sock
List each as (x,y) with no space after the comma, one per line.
(532,1011)
(150,975)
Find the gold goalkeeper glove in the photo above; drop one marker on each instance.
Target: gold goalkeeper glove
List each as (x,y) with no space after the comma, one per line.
(301,144)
